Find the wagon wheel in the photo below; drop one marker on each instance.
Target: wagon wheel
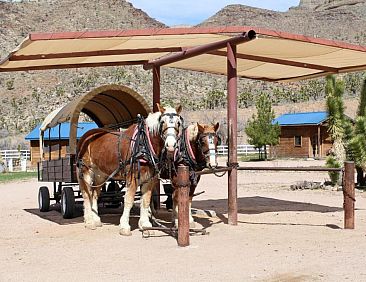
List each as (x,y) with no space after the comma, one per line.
(44,199)
(67,202)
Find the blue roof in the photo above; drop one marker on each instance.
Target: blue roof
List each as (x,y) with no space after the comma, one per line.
(65,131)
(312,118)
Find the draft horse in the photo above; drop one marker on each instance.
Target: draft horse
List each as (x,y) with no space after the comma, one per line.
(198,150)
(132,156)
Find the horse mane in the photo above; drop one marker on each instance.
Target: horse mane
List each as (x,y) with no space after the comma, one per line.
(152,122)
(193,132)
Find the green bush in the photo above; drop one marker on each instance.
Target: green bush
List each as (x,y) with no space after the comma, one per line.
(331,162)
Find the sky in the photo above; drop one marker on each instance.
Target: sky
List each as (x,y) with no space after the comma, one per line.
(192,12)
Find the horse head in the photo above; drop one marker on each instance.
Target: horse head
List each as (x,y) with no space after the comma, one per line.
(207,141)
(170,127)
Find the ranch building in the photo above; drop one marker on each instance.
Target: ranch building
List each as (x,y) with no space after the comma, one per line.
(303,135)
(56,140)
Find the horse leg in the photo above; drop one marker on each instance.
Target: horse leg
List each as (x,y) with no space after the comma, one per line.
(175,207)
(125,228)
(145,211)
(87,196)
(193,186)
(96,218)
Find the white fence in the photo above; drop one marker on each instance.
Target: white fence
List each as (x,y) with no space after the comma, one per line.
(242,149)
(15,154)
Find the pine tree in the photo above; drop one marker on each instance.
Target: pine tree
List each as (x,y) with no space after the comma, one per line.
(260,130)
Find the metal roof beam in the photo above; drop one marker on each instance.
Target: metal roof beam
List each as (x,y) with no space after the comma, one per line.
(69,66)
(277,61)
(93,53)
(199,50)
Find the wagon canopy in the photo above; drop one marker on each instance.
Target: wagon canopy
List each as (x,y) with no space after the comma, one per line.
(108,106)
(272,56)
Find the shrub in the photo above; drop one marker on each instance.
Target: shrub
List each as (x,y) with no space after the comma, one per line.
(331,162)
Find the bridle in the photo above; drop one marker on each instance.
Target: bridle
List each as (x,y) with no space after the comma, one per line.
(211,151)
(171,124)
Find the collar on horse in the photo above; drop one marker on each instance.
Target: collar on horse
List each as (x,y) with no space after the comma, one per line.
(186,152)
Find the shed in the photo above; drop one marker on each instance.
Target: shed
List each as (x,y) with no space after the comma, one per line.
(303,135)
(57,136)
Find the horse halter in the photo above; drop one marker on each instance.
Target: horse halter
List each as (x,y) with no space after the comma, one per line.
(210,153)
(173,127)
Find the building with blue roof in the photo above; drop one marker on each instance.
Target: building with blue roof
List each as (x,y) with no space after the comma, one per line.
(303,135)
(56,139)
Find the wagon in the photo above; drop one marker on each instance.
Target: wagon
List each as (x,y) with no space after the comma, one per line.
(110,106)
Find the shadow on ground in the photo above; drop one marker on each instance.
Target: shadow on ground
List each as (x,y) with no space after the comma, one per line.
(246,205)
(257,205)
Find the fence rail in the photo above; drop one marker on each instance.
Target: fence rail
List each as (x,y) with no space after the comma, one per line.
(14,154)
(244,149)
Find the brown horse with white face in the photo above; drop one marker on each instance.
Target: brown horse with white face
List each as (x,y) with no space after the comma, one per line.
(198,149)
(131,156)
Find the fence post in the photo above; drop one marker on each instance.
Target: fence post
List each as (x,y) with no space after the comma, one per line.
(183,184)
(349,195)
(10,165)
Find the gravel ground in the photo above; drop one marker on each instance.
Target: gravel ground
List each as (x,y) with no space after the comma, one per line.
(282,235)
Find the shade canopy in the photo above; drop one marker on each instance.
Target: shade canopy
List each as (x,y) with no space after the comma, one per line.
(110,106)
(271,56)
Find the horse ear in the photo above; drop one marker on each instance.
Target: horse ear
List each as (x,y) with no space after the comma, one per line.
(216,126)
(178,109)
(200,127)
(160,108)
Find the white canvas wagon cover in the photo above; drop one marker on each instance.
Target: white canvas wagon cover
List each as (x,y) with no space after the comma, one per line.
(107,106)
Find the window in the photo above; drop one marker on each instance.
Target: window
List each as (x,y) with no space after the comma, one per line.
(297,141)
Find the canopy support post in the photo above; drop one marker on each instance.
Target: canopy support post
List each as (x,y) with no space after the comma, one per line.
(156,87)
(232,118)
(156,99)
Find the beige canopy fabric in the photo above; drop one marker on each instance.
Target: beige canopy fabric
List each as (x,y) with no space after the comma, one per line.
(108,105)
(272,56)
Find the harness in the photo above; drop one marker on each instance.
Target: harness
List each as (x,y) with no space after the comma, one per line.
(186,153)
(141,151)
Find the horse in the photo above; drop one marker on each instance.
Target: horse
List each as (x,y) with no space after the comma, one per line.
(198,151)
(132,156)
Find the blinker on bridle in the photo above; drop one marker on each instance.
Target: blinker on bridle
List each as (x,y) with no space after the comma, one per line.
(200,142)
(171,118)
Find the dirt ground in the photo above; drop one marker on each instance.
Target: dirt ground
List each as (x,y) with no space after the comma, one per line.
(282,235)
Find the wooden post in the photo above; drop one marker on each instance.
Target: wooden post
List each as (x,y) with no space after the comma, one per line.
(232,133)
(183,206)
(349,195)
(156,87)
(156,99)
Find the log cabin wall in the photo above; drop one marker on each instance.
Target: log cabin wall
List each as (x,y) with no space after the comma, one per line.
(302,142)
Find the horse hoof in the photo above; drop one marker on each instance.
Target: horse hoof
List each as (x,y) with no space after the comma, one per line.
(147,233)
(99,224)
(125,232)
